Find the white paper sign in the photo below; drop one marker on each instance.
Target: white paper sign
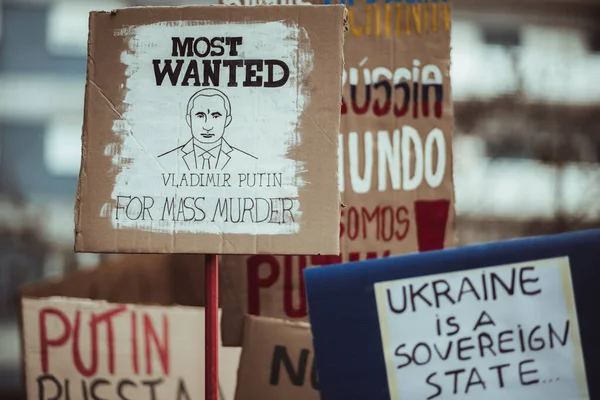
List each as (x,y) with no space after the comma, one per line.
(206,140)
(507,332)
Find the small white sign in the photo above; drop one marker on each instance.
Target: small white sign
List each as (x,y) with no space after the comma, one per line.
(506,332)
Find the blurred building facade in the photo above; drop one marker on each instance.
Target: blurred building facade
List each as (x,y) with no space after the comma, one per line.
(526,84)
(526,79)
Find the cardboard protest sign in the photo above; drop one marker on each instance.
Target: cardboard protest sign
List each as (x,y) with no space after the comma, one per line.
(212,130)
(277,361)
(395,147)
(513,319)
(133,278)
(493,333)
(77,349)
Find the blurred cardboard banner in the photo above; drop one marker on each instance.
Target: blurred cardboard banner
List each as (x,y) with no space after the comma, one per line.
(395,147)
(136,279)
(78,349)
(277,361)
(212,130)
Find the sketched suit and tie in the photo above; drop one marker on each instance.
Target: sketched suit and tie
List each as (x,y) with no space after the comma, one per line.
(208,115)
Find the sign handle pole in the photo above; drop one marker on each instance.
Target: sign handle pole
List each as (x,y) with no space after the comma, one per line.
(211,326)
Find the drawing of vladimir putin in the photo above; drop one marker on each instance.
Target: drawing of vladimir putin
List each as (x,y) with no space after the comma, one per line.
(208,115)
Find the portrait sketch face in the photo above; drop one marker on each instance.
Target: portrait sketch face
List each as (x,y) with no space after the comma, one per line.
(209,114)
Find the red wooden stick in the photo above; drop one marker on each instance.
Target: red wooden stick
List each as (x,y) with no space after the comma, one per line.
(211,378)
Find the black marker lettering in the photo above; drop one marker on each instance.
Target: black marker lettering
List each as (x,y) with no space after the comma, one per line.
(121,385)
(523,282)
(151,384)
(535,343)
(553,334)
(217,49)
(451,321)
(496,280)
(455,372)
(463,348)
(182,48)
(418,293)
(398,354)
(488,345)
(281,356)
(93,387)
(212,72)
(437,387)
(160,74)
(441,292)
(42,387)
(474,379)
(498,369)
(233,42)
(232,65)
(394,307)
(502,340)
(182,393)
(252,67)
(528,372)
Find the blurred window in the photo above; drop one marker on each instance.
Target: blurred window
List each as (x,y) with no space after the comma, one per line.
(1,28)
(594,42)
(62,147)
(67,27)
(501,36)
(507,148)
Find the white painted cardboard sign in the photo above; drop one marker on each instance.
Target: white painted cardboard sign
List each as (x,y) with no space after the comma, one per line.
(83,349)
(496,333)
(212,130)
(196,128)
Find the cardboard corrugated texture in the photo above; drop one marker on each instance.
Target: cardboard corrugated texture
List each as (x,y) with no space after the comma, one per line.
(395,142)
(136,279)
(211,130)
(277,361)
